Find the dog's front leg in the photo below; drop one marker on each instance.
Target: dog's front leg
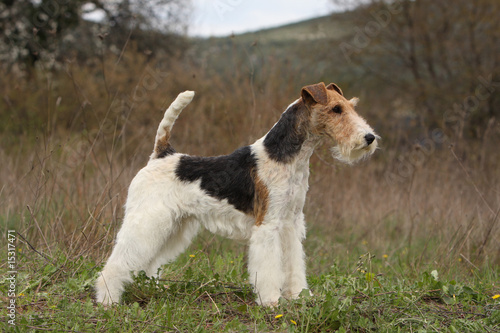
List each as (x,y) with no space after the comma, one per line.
(294,257)
(265,264)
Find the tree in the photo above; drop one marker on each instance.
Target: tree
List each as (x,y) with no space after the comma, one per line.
(29,29)
(445,55)
(49,30)
(154,24)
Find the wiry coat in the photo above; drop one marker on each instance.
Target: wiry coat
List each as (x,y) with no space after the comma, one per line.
(256,193)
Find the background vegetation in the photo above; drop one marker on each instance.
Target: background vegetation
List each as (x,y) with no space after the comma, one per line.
(409,240)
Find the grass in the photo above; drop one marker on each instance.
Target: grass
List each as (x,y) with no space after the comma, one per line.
(206,290)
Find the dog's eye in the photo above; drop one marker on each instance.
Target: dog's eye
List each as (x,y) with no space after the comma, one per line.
(336,109)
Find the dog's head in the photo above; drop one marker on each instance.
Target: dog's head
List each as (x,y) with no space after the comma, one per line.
(333,116)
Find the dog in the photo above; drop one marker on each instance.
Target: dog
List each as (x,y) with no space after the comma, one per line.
(256,193)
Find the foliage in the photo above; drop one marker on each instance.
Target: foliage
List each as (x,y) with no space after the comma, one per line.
(49,32)
(209,292)
(446,58)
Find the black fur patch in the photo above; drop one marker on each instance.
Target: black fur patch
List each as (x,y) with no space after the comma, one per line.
(285,139)
(169,150)
(223,177)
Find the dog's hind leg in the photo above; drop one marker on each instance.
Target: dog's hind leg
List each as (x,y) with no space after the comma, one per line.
(111,281)
(177,243)
(137,245)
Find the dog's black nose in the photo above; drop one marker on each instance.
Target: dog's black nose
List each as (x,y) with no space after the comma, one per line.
(369,139)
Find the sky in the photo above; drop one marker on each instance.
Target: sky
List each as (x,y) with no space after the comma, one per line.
(224,17)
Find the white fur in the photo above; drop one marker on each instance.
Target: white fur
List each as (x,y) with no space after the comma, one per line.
(282,233)
(163,214)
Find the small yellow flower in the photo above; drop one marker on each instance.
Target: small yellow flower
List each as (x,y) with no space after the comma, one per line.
(364,242)
(21,294)
(385,256)
(192,255)
(232,262)
(278,316)
(293,321)
(495,296)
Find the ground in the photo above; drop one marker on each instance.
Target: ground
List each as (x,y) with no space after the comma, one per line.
(206,290)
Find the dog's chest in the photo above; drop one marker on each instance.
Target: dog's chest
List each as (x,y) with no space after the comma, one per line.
(297,189)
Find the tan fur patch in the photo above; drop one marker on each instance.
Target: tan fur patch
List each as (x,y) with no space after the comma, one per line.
(315,92)
(339,127)
(163,146)
(261,199)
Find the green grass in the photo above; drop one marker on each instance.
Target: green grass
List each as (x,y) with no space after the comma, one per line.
(206,290)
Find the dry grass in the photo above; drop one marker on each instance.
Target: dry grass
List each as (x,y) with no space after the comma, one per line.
(75,139)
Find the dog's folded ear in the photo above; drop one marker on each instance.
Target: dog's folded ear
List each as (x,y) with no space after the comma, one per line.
(315,94)
(333,86)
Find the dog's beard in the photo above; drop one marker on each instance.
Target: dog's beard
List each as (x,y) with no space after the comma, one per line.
(352,153)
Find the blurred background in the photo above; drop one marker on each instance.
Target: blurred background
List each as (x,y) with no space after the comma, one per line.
(84,85)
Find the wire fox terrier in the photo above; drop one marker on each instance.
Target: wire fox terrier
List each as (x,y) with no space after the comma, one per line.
(256,193)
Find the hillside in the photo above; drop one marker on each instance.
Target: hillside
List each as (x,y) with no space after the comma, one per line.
(335,26)
(299,53)
(301,44)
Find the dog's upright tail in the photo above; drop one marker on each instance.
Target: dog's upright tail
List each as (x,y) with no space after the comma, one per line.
(162,142)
